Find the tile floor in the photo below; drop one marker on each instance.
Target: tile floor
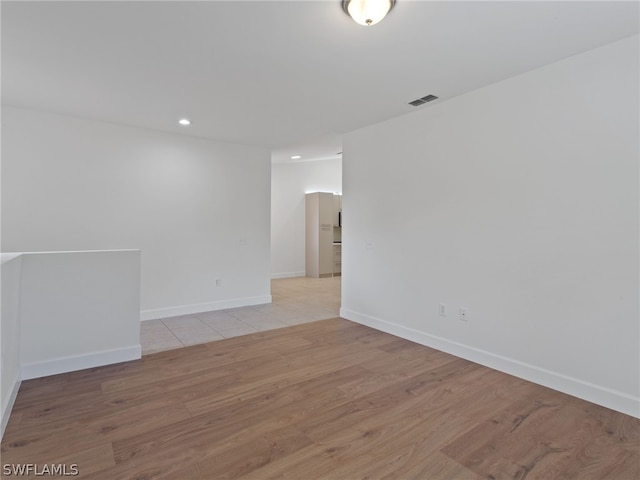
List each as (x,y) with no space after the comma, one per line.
(295,300)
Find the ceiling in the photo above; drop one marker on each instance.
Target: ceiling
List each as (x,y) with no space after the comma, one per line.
(291,76)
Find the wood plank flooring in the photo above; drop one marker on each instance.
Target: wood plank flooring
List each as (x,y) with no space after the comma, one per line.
(323,400)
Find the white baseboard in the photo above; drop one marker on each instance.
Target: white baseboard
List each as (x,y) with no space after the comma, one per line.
(203,307)
(6,411)
(598,394)
(80,362)
(288,275)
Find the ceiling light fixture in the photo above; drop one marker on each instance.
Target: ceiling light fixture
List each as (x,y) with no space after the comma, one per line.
(367,12)
(184,122)
(296,157)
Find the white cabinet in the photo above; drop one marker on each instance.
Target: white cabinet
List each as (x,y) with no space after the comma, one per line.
(319,234)
(337,259)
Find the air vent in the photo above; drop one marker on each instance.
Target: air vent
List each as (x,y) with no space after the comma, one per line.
(423,100)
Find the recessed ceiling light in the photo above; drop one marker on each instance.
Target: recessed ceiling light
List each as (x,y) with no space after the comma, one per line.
(184,121)
(296,157)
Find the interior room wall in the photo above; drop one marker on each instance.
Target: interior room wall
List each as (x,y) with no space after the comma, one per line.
(289,183)
(198,209)
(10,375)
(518,201)
(88,301)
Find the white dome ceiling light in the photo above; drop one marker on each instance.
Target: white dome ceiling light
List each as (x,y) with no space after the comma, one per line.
(367,12)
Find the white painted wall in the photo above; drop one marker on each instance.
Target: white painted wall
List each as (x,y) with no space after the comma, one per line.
(10,335)
(197,209)
(78,310)
(289,183)
(518,201)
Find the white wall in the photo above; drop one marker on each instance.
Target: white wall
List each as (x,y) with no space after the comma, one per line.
(289,183)
(197,209)
(78,310)
(518,201)
(10,335)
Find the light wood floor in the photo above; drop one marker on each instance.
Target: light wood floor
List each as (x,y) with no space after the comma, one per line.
(323,400)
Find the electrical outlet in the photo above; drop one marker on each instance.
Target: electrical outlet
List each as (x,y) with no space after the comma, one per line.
(442,310)
(218,282)
(464,314)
